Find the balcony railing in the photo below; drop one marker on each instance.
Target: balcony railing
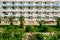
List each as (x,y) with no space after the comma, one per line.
(30,4)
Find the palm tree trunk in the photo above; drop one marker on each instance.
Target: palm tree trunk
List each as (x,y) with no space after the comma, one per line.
(58,24)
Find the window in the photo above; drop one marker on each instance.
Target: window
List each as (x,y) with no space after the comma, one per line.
(12,2)
(45,2)
(30,13)
(30,18)
(28,2)
(47,18)
(37,2)
(21,2)
(40,3)
(55,8)
(39,8)
(13,7)
(4,2)
(47,13)
(22,8)
(21,13)
(13,13)
(39,18)
(5,13)
(47,8)
(39,13)
(5,8)
(55,13)
(30,8)
(48,3)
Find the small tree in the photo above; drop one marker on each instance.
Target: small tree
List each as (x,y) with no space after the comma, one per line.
(44,28)
(11,20)
(41,22)
(21,19)
(39,36)
(58,21)
(0,19)
(30,29)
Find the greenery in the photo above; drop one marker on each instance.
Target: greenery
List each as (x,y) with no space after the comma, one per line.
(14,32)
(58,22)
(21,19)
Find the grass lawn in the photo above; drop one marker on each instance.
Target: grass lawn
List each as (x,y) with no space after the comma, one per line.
(53,29)
(2,29)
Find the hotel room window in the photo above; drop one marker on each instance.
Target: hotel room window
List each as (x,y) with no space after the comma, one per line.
(29,2)
(30,13)
(47,13)
(39,17)
(55,13)
(12,2)
(39,13)
(13,7)
(21,2)
(39,8)
(13,13)
(47,8)
(4,7)
(5,13)
(47,18)
(30,18)
(37,2)
(22,8)
(4,2)
(30,8)
(55,8)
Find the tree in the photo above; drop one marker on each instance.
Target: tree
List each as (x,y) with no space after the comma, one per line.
(0,19)
(1,36)
(39,36)
(21,19)
(41,22)
(11,20)
(58,35)
(44,28)
(14,33)
(30,29)
(58,21)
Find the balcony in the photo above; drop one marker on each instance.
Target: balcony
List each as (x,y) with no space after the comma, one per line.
(48,5)
(39,15)
(19,4)
(5,4)
(28,5)
(12,4)
(30,15)
(56,5)
(38,5)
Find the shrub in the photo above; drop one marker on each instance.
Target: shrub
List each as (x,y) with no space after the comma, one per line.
(39,36)
(44,29)
(30,29)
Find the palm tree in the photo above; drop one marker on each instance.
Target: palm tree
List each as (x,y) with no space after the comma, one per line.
(0,19)
(21,19)
(41,22)
(11,20)
(58,21)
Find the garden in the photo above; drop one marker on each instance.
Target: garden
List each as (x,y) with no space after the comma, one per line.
(30,32)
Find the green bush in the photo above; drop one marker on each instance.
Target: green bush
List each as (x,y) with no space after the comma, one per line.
(44,29)
(31,29)
(39,36)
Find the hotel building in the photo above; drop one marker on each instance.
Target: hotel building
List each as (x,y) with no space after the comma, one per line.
(32,10)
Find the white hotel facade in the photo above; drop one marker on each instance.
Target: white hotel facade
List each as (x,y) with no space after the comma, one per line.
(32,10)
